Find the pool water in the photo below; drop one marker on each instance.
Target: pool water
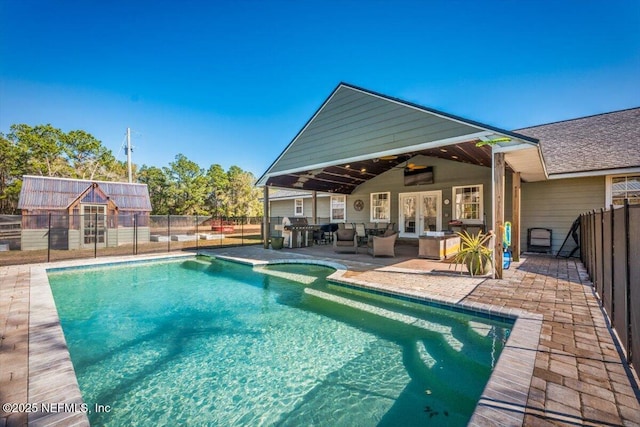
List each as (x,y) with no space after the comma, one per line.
(215,343)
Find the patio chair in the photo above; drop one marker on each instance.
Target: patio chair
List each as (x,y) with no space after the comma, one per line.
(362,233)
(345,240)
(383,245)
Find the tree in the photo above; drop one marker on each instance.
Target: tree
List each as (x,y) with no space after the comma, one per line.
(88,158)
(244,196)
(218,182)
(159,187)
(10,170)
(189,187)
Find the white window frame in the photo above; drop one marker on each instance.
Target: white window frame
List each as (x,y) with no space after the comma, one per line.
(455,203)
(387,209)
(298,203)
(609,187)
(338,202)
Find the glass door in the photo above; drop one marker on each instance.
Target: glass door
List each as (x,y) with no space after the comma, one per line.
(419,213)
(93,227)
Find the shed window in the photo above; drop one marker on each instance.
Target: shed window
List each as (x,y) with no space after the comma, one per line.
(623,187)
(338,208)
(380,207)
(298,207)
(468,203)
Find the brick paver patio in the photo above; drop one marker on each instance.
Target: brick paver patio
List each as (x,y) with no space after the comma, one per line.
(578,378)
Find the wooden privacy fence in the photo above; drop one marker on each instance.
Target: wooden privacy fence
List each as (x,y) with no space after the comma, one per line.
(610,250)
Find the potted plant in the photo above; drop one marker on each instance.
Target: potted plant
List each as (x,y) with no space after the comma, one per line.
(474,253)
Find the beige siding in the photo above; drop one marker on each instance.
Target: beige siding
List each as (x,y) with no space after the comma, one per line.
(74,239)
(354,124)
(555,204)
(282,208)
(33,240)
(447,174)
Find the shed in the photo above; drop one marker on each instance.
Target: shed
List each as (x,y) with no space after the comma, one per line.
(82,213)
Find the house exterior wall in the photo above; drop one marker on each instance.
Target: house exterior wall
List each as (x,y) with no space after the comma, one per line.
(353,123)
(555,204)
(282,208)
(447,174)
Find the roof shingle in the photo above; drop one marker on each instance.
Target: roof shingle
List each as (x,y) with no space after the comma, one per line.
(595,143)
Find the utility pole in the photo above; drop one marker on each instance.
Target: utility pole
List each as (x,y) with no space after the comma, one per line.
(129,152)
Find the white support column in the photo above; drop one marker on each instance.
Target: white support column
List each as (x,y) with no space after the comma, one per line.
(515,226)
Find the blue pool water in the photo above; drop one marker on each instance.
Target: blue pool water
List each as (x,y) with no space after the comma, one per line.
(215,343)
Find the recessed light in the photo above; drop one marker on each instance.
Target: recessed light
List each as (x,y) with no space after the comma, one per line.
(454,157)
(444,150)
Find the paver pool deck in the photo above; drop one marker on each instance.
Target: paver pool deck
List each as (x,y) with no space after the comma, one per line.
(579,377)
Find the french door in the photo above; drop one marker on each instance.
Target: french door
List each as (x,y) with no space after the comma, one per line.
(93,225)
(419,213)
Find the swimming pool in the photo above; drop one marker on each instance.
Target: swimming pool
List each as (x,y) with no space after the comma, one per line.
(192,342)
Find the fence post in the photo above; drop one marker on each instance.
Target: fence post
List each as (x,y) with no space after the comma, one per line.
(135,234)
(601,266)
(197,235)
(168,232)
(49,240)
(242,231)
(613,264)
(627,243)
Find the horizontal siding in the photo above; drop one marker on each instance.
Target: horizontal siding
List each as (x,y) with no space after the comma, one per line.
(354,124)
(447,174)
(34,240)
(282,208)
(555,204)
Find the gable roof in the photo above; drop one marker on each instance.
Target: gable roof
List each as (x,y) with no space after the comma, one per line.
(593,145)
(41,192)
(354,134)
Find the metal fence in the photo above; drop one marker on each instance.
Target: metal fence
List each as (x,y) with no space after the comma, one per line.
(54,237)
(610,250)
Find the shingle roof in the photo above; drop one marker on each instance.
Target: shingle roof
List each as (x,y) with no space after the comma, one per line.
(588,144)
(40,192)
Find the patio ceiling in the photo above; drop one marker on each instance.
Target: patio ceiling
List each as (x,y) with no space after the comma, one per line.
(345,177)
(357,135)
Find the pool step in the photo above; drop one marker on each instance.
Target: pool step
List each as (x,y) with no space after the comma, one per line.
(444,331)
(448,348)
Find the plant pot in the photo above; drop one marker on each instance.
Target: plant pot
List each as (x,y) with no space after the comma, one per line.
(277,242)
(475,268)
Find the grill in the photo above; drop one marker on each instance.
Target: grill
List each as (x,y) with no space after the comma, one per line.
(297,232)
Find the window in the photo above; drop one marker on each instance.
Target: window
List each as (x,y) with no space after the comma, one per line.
(338,208)
(624,187)
(380,207)
(298,207)
(467,205)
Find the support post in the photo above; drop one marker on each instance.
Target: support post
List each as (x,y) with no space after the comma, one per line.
(265,217)
(314,198)
(498,214)
(515,222)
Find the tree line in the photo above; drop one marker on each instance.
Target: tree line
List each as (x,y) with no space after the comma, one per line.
(182,188)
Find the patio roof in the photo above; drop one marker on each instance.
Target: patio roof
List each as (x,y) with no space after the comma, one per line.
(358,134)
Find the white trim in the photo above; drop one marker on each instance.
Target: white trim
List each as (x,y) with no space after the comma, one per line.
(619,171)
(489,132)
(403,150)
(481,204)
(419,226)
(388,210)
(608,198)
(331,219)
(295,207)
(510,148)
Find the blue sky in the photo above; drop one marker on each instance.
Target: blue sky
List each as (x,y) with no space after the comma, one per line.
(233,82)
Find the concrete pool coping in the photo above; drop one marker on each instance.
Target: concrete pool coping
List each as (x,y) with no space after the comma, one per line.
(52,377)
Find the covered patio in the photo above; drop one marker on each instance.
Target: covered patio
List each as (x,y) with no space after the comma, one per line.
(385,159)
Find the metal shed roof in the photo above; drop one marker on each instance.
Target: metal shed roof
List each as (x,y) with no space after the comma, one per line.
(52,193)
